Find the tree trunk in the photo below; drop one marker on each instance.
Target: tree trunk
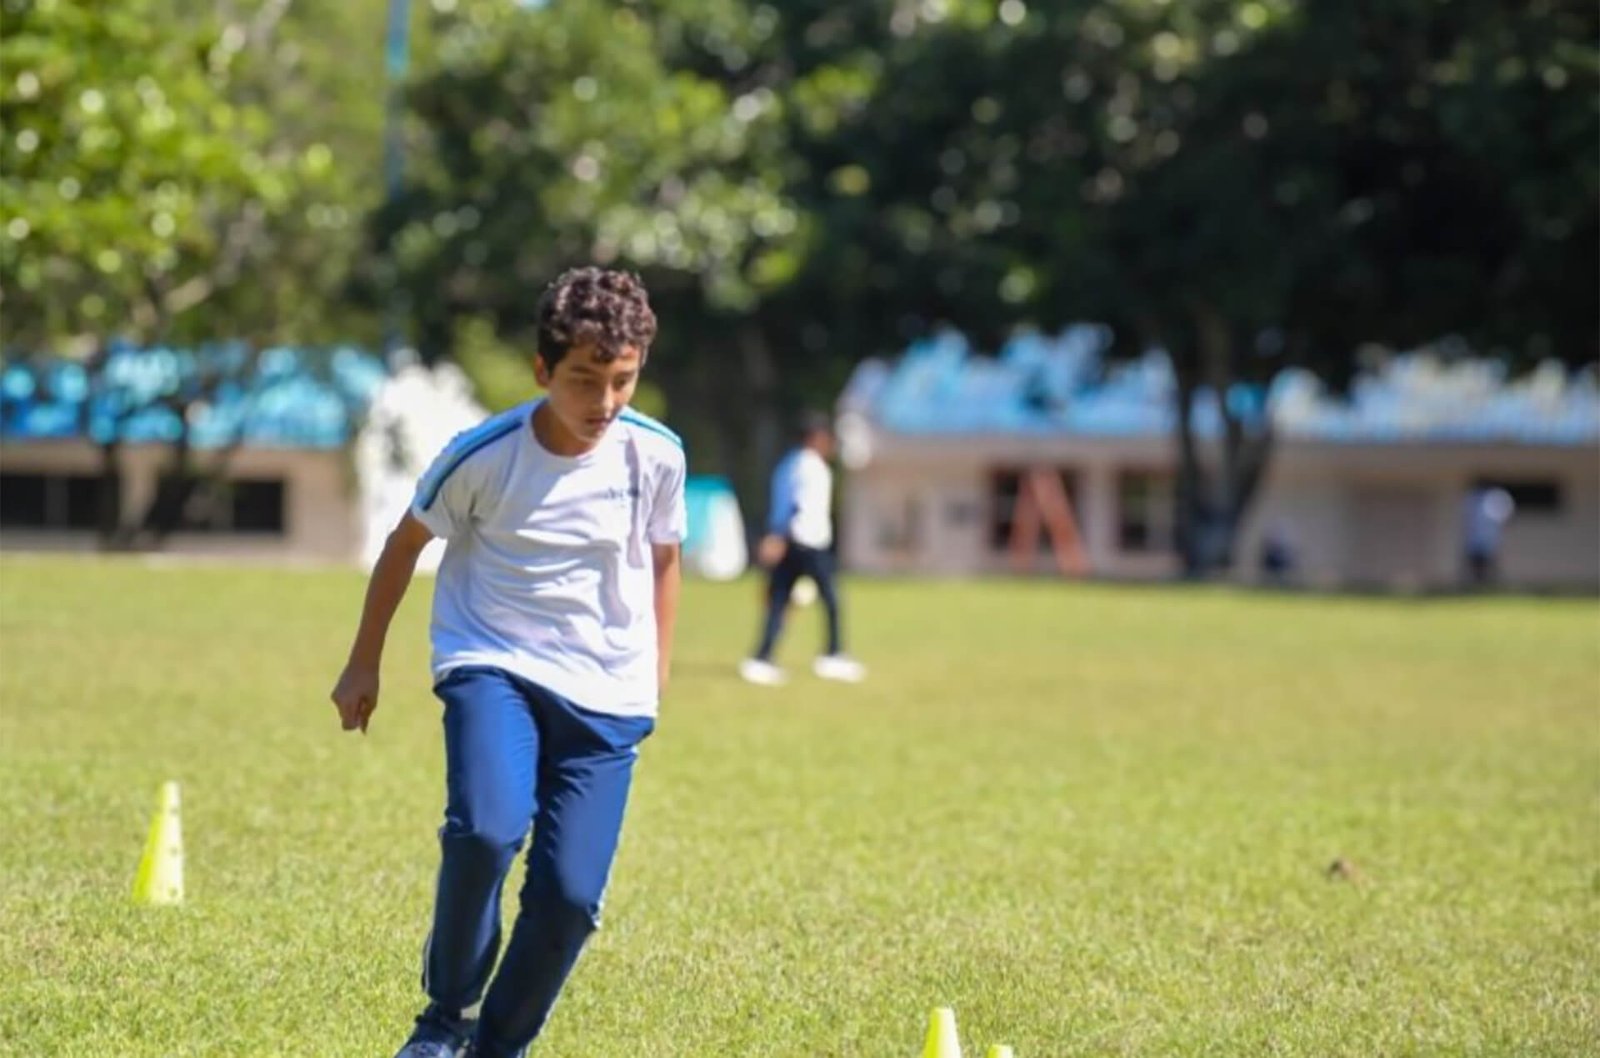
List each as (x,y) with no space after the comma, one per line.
(110,532)
(762,426)
(1191,513)
(1214,494)
(109,529)
(173,492)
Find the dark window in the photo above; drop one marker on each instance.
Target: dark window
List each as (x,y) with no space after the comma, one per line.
(83,502)
(963,513)
(1005,485)
(1144,511)
(50,501)
(22,501)
(247,505)
(201,509)
(1531,497)
(256,506)
(898,524)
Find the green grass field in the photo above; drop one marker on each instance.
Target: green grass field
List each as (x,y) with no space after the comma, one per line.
(1095,820)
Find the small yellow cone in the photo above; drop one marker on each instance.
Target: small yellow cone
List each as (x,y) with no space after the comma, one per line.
(1000,1050)
(160,877)
(942,1040)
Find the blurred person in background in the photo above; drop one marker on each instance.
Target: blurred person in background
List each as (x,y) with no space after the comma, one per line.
(1488,509)
(799,543)
(1279,555)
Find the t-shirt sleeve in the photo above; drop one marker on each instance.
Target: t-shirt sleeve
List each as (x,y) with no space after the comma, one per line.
(782,508)
(446,494)
(669,517)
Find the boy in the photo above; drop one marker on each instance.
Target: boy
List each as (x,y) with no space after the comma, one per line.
(552,637)
(797,544)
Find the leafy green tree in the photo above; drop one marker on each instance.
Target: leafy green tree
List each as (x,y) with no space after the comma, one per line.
(554,136)
(143,196)
(167,176)
(1352,176)
(1249,185)
(651,135)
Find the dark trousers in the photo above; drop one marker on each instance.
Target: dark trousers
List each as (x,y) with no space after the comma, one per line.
(1481,567)
(800,561)
(518,755)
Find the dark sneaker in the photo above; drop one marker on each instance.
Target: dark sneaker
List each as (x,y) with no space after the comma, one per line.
(438,1035)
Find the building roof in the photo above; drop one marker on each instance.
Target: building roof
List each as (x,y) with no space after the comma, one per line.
(1062,385)
(276,398)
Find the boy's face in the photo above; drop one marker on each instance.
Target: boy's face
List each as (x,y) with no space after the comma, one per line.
(587,393)
(821,441)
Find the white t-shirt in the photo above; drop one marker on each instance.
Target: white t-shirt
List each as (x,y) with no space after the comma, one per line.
(547,572)
(802,499)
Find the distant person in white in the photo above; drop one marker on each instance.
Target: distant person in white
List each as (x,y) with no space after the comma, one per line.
(1488,510)
(798,544)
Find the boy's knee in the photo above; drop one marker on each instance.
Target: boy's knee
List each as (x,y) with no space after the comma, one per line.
(572,904)
(489,839)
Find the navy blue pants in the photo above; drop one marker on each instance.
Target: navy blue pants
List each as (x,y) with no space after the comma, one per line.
(799,561)
(518,755)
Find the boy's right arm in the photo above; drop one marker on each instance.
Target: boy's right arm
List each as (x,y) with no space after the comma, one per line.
(356,693)
(775,542)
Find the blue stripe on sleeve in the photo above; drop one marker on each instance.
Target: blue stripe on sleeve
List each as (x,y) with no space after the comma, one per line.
(644,422)
(461,449)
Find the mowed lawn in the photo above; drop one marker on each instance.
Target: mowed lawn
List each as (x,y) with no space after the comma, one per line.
(1094,820)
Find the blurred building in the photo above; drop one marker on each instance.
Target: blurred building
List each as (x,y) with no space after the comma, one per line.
(1364,491)
(276,425)
(316,452)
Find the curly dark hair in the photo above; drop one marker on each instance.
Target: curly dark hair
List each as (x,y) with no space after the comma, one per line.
(609,310)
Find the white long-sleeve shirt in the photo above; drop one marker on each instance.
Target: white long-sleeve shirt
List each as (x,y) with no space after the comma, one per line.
(802,499)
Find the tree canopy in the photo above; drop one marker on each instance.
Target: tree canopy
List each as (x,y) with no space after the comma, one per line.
(174,170)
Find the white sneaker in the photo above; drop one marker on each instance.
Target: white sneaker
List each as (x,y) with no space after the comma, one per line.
(761,673)
(839,667)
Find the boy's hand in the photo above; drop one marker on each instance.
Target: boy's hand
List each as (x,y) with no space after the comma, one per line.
(356,695)
(771,550)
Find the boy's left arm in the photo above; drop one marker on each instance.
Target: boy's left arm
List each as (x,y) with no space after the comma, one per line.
(669,575)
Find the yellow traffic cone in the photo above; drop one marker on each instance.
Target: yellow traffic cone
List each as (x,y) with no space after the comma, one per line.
(1000,1050)
(160,877)
(942,1040)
